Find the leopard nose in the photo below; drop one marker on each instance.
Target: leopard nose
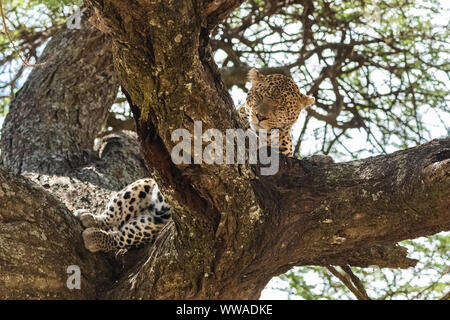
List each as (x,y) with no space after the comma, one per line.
(260,117)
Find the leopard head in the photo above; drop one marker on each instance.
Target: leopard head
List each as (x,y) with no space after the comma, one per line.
(275,101)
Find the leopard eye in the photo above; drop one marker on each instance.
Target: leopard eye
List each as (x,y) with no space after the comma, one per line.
(260,117)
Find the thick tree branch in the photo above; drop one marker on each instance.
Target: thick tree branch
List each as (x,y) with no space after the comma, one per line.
(380,200)
(39,240)
(61,107)
(308,226)
(217,10)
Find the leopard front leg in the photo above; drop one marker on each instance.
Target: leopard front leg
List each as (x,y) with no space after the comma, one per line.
(282,139)
(134,233)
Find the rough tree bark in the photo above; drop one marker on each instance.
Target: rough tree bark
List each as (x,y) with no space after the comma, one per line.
(59,111)
(233,228)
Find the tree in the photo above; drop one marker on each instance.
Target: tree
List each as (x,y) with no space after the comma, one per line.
(233,229)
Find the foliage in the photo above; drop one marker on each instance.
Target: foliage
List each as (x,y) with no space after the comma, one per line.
(50,4)
(30,24)
(379,69)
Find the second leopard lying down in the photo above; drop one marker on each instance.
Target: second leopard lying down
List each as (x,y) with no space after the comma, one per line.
(134,216)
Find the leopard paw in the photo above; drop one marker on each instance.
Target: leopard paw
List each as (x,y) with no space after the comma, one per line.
(97,240)
(87,219)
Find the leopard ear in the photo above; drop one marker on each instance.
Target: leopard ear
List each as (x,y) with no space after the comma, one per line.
(255,76)
(306,101)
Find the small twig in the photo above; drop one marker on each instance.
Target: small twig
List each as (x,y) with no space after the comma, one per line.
(347,283)
(356,281)
(120,100)
(300,138)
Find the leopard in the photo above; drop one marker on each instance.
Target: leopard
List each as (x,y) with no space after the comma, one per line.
(133,217)
(274,101)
